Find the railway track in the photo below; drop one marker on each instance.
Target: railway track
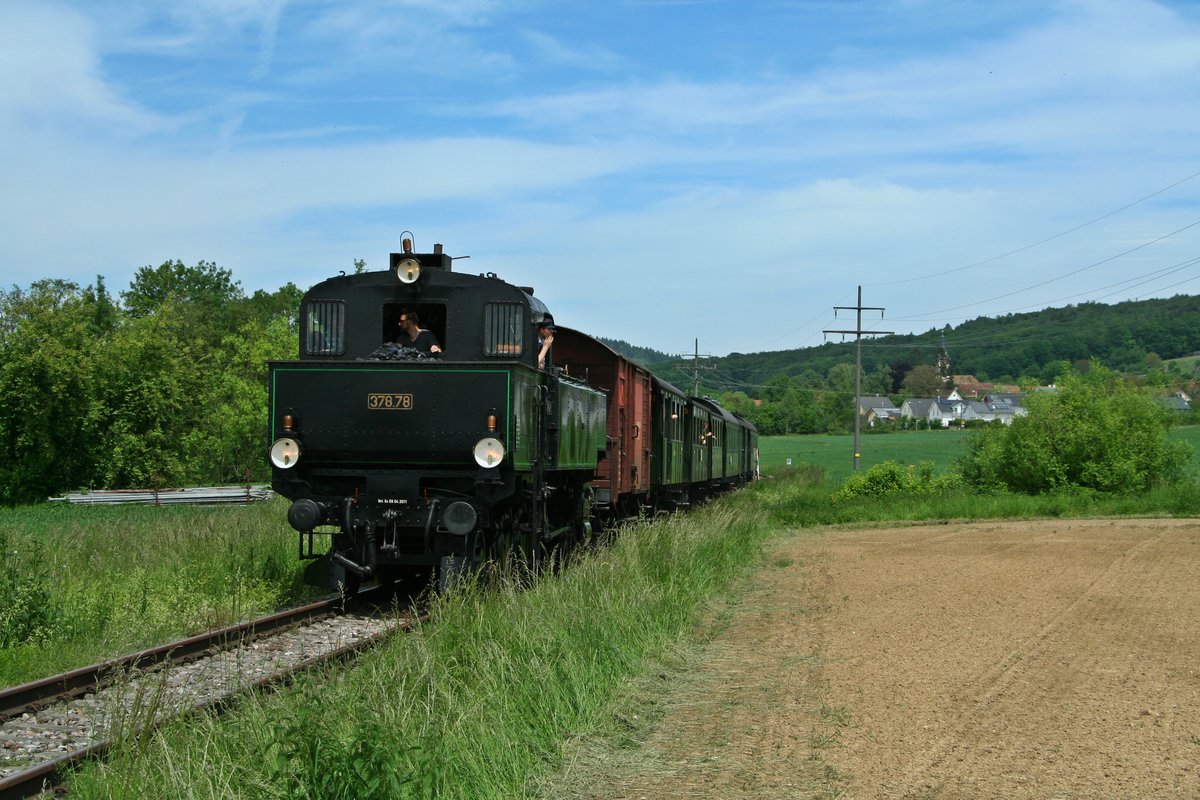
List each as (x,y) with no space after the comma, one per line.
(50,725)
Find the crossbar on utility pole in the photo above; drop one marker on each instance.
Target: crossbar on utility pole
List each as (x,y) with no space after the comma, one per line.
(858,334)
(696,368)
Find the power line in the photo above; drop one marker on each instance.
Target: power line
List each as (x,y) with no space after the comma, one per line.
(1043,241)
(1072,272)
(1136,280)
(805,325)
(927,316)
(696,367)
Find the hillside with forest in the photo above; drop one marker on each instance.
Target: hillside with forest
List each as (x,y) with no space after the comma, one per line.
(811,390)
(1130,337)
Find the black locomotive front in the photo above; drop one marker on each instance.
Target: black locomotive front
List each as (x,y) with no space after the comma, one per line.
(410,459)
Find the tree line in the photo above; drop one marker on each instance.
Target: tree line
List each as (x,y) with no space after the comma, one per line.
(162,385)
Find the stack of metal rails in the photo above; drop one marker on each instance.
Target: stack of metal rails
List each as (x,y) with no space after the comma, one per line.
(161,497)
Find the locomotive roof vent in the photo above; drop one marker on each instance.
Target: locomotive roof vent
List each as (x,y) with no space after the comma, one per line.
(408,265)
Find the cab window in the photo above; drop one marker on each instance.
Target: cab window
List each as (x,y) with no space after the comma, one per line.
(325,328)
(430,316)
(503,329)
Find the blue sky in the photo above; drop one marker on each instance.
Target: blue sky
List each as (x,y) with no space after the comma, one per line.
(660,171)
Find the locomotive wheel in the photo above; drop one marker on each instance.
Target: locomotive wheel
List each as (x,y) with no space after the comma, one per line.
(532,547)
(503,542)
(520,548)
(586,523)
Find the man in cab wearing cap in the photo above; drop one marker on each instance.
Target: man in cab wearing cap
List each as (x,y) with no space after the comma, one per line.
(545,339)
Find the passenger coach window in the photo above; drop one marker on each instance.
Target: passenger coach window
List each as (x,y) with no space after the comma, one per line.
(325,328)
(503,329)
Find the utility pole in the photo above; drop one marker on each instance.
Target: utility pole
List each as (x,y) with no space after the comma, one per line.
(858,334)
(696,356)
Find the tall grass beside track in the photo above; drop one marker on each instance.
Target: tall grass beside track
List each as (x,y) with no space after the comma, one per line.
(80,584)
(479,702)
(495,695)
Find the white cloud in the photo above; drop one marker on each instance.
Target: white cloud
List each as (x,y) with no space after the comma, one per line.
(1046,86)
(557,52)
(52,73)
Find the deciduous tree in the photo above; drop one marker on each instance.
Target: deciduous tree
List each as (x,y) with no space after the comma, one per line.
(923,381)
(48,343)
(1096,432)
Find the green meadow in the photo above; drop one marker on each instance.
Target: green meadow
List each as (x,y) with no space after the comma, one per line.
(835,453)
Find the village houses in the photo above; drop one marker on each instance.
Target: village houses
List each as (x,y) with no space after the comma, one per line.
(970,400)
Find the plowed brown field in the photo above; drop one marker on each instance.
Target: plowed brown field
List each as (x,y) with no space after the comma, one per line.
(1048,659)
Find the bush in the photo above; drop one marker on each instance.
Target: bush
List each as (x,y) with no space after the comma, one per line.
(27,614)
(890,478)
(1096,432)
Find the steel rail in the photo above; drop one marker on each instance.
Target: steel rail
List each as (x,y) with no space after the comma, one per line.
(51,775)
(30,697)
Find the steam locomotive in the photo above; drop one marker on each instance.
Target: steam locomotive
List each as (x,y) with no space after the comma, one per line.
(411,461)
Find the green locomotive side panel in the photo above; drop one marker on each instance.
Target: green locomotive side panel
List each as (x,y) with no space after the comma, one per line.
(582,425)
(524,418)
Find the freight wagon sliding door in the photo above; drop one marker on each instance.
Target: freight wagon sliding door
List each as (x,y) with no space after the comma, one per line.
(639,403)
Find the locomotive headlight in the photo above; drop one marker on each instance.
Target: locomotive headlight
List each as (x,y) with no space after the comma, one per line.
(408,270)
(489,452)
(285,452)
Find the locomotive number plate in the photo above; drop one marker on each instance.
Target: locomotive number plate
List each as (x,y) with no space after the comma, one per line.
(389,401)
